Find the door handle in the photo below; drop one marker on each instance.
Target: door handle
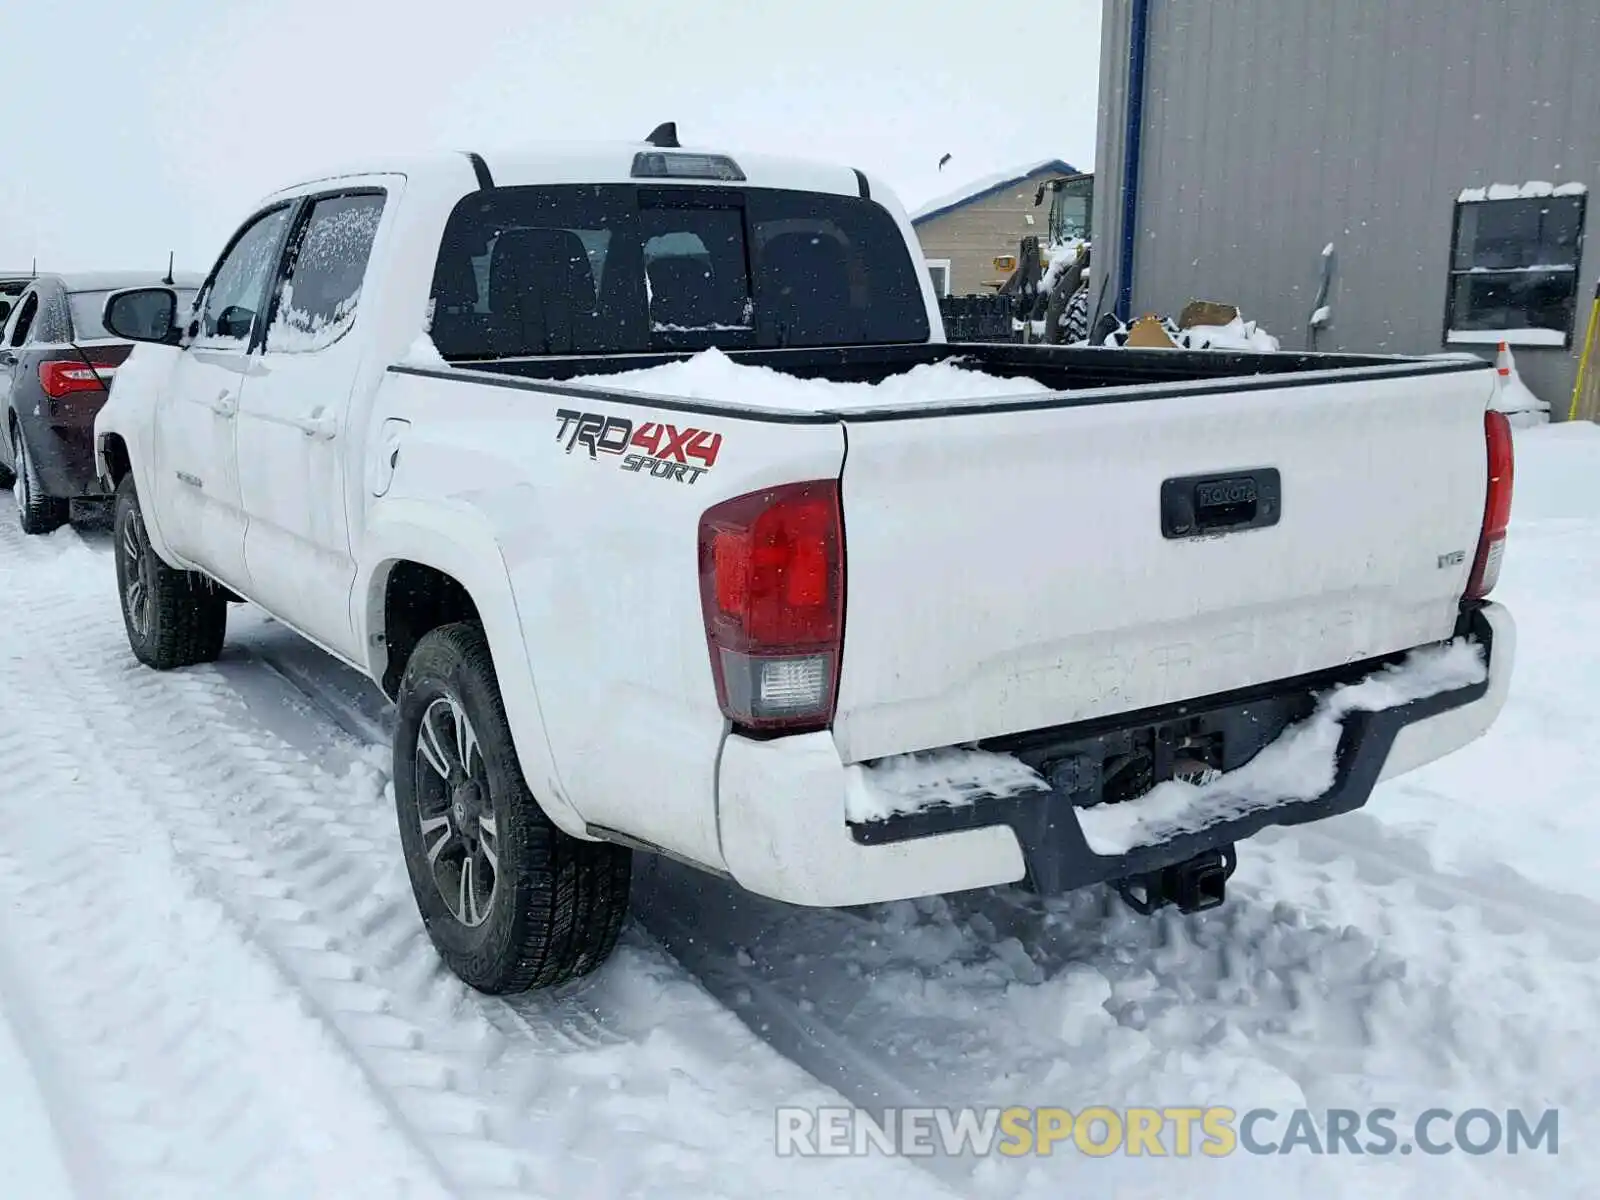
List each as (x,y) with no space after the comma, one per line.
(318,425)
(7,358)
(225,404)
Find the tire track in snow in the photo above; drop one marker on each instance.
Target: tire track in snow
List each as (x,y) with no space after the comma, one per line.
(302,869)
(1293,980)
(135,961)
(324,868)
(1508,904)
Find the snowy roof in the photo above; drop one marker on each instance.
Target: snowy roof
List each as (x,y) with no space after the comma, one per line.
(980,189)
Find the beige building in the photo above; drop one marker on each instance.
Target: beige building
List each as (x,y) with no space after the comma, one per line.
(963,233)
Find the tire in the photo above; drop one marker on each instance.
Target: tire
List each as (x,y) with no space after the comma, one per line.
(509,900)
(36,512)
(174,618)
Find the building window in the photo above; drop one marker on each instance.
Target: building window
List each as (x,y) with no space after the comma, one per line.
(1514,268)
(939,272)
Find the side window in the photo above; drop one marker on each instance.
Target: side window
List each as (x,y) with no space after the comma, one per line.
(1514,267)
(228,314)
(25,318)
(318,301)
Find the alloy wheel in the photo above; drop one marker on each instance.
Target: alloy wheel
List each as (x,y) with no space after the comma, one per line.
(455,812)
(138,594)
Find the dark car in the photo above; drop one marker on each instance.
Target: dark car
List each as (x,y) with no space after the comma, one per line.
(56,365)
(12,285)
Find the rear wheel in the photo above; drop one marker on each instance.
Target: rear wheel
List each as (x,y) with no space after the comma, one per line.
(174,618)
(509,900)
(36,512)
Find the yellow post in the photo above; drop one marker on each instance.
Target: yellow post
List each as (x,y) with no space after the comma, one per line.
(1589,339)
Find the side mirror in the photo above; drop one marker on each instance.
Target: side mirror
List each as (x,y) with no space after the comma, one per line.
(235,322)
(147,314)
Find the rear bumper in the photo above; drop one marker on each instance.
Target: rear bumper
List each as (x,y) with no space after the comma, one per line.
(781,808)
(64,459)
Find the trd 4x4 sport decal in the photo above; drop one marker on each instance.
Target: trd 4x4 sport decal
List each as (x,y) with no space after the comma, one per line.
(652,447)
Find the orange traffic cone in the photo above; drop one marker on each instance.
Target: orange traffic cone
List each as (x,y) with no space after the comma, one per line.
(1503,364)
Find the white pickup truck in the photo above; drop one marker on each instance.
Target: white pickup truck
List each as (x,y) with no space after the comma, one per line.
(839,642)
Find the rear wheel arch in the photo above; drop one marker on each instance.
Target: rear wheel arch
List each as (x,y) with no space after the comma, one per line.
(115,461)
(422,572)
(415,599)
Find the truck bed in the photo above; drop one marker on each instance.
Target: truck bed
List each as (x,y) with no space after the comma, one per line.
(1057,556)
(1072,375)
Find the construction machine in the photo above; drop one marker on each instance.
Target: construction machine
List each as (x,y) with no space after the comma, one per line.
(1044,278)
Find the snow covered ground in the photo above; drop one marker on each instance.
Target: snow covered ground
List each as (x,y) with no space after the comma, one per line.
(213,981)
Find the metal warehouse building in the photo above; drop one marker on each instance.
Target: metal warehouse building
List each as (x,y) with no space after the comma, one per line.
(1444,149)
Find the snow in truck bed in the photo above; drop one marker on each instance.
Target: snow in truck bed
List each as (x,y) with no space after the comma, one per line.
(712,375)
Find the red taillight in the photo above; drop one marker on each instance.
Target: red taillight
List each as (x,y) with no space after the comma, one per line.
(62,378)
(1496,507)
(772,594)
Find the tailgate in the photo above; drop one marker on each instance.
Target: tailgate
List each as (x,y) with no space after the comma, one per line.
(1015,570)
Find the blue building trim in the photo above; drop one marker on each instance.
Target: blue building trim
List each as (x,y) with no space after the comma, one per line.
(1139,40)
(1055,166)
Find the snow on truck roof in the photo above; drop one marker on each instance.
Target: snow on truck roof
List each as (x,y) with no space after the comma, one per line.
(596,162)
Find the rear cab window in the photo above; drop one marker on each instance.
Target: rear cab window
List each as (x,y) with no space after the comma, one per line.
(618,269)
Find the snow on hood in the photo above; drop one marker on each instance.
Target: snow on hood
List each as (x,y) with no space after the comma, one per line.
(1299,765)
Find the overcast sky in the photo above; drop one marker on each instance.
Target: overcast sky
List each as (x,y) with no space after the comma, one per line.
(135,128)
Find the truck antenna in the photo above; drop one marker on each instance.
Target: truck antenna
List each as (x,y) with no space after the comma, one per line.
(171,257)
(35,269)
(665,135)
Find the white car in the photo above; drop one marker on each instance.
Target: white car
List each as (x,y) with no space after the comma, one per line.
(840,644)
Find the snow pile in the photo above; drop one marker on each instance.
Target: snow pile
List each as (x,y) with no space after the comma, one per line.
(1062,255)
(1514,398)
(1299,765)
(424,354)
(910,783)
(1236,335)
(1535,189)
(712,375)
(299,331)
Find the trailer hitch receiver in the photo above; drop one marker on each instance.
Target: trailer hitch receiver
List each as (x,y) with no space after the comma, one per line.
(1192,886)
